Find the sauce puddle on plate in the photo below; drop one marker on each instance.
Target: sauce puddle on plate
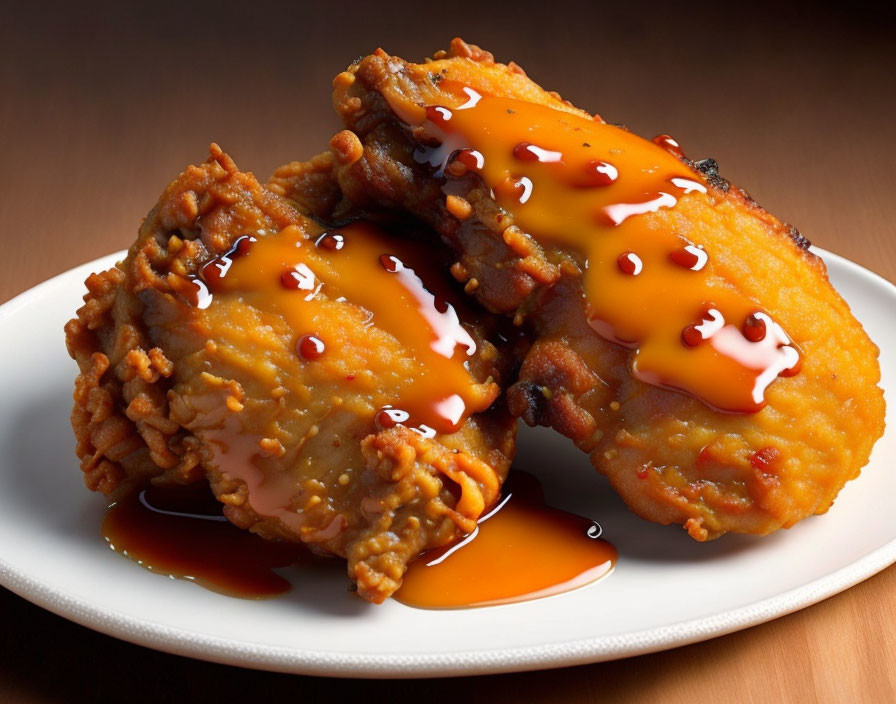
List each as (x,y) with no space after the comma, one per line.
(521,550)
(183,534)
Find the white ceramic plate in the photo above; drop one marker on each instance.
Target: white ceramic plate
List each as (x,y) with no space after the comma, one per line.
(666,591)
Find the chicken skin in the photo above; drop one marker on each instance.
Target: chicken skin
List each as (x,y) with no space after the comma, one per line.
(682,336)
(326,384)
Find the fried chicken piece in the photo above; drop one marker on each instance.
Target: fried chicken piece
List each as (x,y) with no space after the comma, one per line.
(431,140)
(181,380)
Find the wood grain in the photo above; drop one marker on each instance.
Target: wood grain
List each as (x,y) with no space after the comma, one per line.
(101,106)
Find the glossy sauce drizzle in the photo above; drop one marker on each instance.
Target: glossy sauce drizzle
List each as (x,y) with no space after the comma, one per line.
(289,273)
(521,550)
(181,533)
(582,184)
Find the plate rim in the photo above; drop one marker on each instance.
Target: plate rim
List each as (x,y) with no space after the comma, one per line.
(245,653)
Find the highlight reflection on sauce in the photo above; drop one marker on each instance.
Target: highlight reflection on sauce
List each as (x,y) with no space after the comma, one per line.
(288,273)
(586,185)
(521,550)
(182,533)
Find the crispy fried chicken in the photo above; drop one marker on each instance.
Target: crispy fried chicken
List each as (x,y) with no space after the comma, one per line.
(668,382)
(323,392)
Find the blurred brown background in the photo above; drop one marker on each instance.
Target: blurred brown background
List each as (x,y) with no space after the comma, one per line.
(101,105)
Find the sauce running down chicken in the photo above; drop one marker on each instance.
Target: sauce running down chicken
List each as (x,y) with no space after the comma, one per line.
(681,335)
(333,389)
(521,550)
(580,184)
(321,381)
(286,273)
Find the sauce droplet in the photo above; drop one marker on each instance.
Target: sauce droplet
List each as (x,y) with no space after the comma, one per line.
(601,173)
(438,115)
(299,278)
(691,336)
(390,263)
(690,257)
(199,290)
(670,144)
(754,328)
(521,550)
(378,280)
(215,270)
(552,202)
(331,241)
(523,152)
(390,417)
(529,152)
(310,347)
(464,160)
(629,263)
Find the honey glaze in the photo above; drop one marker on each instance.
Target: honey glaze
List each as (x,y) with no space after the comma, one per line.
(585,185)
(181,533)
(521,550)
(360,265)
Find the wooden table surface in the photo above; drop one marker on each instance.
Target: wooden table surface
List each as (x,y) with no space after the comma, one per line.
(101,106)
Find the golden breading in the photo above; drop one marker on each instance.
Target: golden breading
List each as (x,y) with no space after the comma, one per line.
(672,458)
(173,392)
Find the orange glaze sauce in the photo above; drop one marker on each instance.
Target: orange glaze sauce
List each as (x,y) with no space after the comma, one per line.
(521,550)
(582,184)
(290,273)
(182,533)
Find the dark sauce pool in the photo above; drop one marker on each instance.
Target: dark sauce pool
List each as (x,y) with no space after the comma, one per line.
(521,550)
(182,533)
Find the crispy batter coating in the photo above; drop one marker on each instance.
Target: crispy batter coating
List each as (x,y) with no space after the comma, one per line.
(672,458)
(173,394)
(310,185)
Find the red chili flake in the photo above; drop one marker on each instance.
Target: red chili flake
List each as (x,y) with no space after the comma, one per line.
(629,263)
(643,472)
(310,347)
(764,459)
(704,457)
(669,144)
(691,336)
(754,328)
